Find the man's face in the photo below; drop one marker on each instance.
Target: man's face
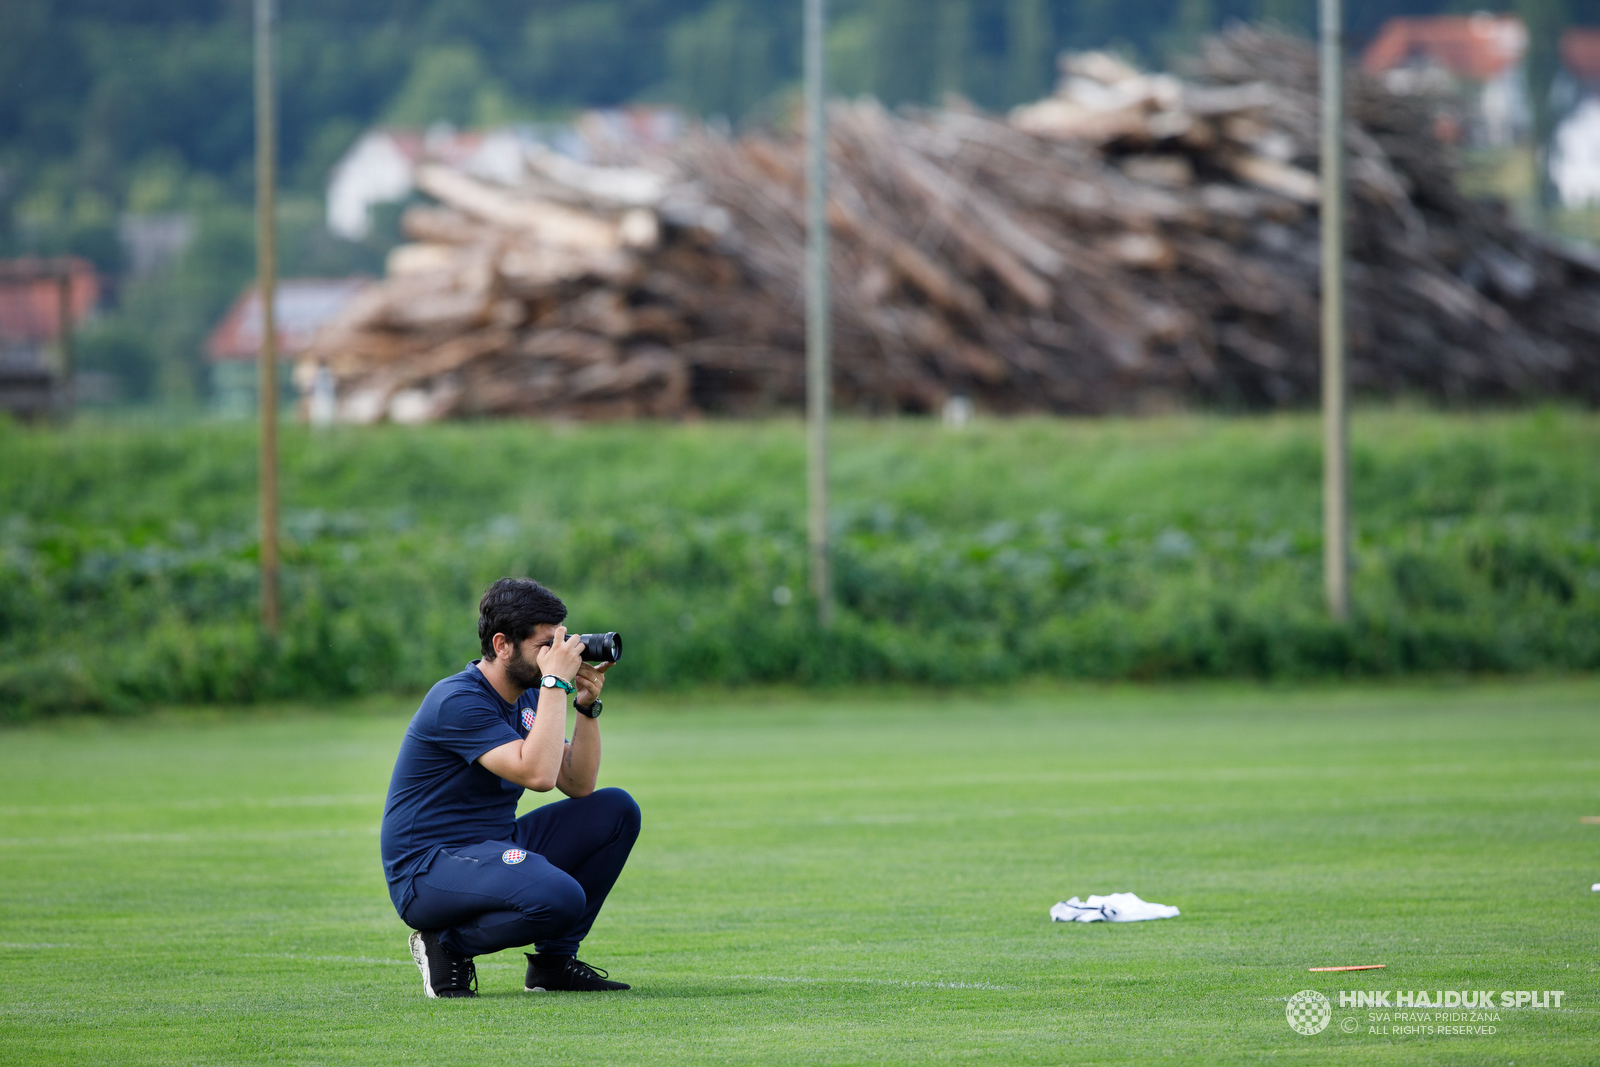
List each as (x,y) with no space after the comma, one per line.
(522,666)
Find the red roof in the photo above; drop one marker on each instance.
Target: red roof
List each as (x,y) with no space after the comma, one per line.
(301,307)
(30,296)
(1580,53)
(1476,47)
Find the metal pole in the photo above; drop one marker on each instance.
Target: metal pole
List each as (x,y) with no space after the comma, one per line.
(1335,417)
(64,339)
(266,294)
(818,341)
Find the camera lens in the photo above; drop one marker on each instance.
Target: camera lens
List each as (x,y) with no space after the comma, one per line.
(602,648)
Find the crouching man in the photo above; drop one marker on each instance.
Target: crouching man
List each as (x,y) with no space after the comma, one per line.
(465,873)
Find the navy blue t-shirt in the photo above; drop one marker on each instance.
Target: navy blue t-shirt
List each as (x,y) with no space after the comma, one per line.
(440,796)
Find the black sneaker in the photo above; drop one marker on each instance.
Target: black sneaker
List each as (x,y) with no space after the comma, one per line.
(565,974)
(444,974)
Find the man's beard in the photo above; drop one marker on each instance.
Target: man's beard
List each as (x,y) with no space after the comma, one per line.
(524,674)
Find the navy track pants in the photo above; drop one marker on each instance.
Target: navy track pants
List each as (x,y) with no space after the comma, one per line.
(544,887)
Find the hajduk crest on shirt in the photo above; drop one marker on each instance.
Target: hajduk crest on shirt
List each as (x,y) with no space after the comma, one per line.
(513,855)
(527,718)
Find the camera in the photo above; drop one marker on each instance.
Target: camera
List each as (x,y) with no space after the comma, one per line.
(601,648)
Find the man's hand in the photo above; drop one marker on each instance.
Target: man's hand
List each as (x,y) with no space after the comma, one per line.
(590,681)
(563,657)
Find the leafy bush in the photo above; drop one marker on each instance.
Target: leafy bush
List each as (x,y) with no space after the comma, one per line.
(1160,549)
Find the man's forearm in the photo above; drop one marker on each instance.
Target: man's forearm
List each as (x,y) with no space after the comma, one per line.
(581,768)
(543,747)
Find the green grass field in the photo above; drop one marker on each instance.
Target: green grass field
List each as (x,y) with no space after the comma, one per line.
(854,878)
(1160,549)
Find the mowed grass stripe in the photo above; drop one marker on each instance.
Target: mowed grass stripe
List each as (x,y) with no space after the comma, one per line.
(196,838)
(913,983)
(1515,797)
(17,811)
(838,879)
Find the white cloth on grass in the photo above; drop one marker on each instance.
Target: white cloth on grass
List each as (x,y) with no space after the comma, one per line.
(1114,908)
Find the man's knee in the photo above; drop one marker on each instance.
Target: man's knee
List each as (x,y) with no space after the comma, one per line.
(563,901)
(555,900)
(623,807)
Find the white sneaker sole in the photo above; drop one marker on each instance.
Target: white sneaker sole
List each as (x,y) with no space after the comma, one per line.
(419,953)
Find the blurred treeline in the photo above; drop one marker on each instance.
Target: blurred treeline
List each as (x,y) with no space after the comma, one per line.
(117,107)
(1161,548)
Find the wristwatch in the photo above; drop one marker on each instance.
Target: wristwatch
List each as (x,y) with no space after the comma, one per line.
(590,710)
(550,681)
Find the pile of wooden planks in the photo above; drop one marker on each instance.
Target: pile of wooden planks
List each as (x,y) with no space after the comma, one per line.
(1135,241)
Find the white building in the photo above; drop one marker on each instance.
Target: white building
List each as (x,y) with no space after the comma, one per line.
(376,170)
(379,168)
(1575,143)
(1575,155)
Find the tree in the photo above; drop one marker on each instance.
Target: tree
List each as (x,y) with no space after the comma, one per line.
(1545,20)
(724,60)
(449,83)
(903,46)
(1030,50)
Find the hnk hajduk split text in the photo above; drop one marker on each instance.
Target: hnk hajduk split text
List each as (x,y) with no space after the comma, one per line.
(1450,998)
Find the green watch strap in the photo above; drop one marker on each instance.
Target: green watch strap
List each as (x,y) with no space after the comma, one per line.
(559,683)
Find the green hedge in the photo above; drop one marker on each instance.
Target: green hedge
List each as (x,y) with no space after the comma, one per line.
(1167,548)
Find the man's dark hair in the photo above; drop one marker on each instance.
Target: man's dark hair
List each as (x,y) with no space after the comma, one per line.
(514,606)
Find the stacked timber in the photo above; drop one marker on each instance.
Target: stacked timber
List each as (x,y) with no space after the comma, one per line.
(1135,240)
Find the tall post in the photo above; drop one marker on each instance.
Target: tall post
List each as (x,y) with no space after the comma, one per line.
(64,324)
(266,295)
(818,340)
(1335,417)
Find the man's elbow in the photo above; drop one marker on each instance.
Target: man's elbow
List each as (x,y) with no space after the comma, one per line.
(540,783)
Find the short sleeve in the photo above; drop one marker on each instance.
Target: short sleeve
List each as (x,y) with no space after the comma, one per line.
(468,726)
